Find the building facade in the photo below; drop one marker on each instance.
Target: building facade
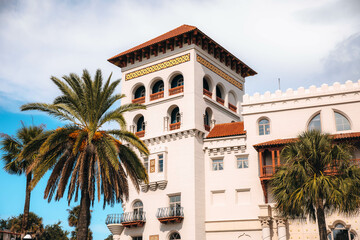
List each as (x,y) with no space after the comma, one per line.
(212,148)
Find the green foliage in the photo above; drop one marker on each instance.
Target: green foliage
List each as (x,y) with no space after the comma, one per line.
(35,224)
(73,220)
(54,232)
(317,175)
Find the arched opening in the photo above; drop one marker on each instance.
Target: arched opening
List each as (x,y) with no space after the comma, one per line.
(157,90)
(139,95)
(232,102)
(175,119)
(315,123)
(340,232)
(138,212)
(220,95)
(207,119)
(264,126)
(177,85)
(341,122)
(140,127)
(206,88)
(174,236)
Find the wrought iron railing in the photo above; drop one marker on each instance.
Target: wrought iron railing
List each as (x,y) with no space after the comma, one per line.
(168,212)
(133,216)
(125,217)
(113,218)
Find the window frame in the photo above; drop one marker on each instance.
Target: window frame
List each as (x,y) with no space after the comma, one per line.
(146,164)
(243,157)
(343,117)
(311,120)
(219,163)
(160,169)
(264,126)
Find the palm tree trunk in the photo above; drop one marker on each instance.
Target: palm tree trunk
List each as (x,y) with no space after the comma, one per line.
(24,225)
(320,215)
(84,215)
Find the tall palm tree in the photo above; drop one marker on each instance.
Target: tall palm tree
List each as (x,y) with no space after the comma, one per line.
(317,179)
(81,154)
(12,147)
(73,220)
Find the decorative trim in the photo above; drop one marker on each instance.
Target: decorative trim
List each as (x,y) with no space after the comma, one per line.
(280,222)
(174,136)
(265,221)
(153,186)
(157,67)
(216,70)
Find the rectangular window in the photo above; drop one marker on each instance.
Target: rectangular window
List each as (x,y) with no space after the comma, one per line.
(146,164)
(175,205)
(242,162)
(161,162)
(217,164)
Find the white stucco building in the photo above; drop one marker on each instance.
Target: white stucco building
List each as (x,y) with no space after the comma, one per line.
(212,148)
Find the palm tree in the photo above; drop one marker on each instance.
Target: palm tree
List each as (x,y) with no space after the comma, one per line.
(317,179)
(81,154)
(12,148)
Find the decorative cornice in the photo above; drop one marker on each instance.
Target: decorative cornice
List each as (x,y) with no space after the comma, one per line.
(220,151)
(280,221)
(157,67)
(172,136)
(153,186)
(219,72)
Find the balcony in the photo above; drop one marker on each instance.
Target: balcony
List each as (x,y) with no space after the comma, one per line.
(176,90)
(174,126)
(232,107)
(140,134)
(207,93)
(207,127)
(220,100)
(139,100)
(113,219)
(157,95)
(170,215)
(133,219)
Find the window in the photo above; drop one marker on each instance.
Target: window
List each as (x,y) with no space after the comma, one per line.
(315,123)
(264,127)
(177,81)
(158,87)
(140,92)
(217,164)
(137,238)
(242,162)
(341,122)
(146,164)
(206,84)
(218,92)
(138,210)
(175,115)
(140,125)
(339,232)
(207,118)
(161,162)
(175,205)
(175,235)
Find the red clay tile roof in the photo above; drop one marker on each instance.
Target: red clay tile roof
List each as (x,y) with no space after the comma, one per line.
(173,33)
(278,142)
(227,129)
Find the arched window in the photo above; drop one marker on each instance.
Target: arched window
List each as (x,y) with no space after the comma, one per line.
(158,87)
(206,84)
(207,118)
(140,125)
(175,115)
(218,92)
(138,210)
(177,81)
(140,92)
(315,123)
(339,232)
(175,235)
(342,123)
(264,127)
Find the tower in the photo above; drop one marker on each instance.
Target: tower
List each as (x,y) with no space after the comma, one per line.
(187,82)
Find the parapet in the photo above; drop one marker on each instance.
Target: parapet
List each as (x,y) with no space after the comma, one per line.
(301,92)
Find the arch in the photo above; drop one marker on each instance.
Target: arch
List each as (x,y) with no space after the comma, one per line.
(264,126)
(314,122)
(341,230)
(232,98)
(220,93)
(177,80)
(140,124)
(342,122)
(207,83)
(174,235)
(175,116)
(137,204)
(207,119)
(157,86)
(139,92)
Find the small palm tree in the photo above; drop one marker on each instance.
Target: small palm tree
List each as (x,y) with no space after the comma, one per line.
(81,155)
(317,179)
(73,220)
(12,147)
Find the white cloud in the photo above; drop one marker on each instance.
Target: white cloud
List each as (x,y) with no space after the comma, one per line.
(278,39)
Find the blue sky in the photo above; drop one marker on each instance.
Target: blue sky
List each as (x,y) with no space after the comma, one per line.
(302,42)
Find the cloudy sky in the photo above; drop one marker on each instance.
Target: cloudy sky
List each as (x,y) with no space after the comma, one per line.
(301,42)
